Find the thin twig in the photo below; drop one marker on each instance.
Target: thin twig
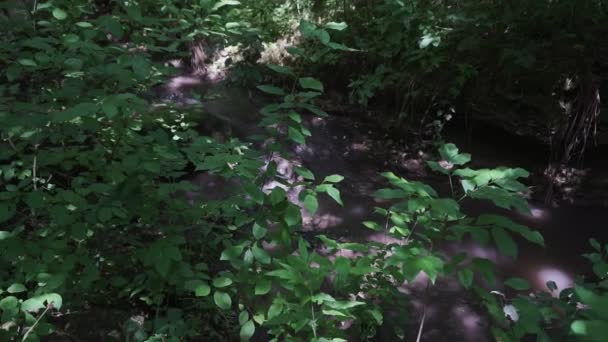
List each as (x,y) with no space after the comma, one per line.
(34,178)
(421,324)
(10,142)
(48,307)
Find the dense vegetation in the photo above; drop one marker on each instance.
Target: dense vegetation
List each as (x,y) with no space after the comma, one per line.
(93,177)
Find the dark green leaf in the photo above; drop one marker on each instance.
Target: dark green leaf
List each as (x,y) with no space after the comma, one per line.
(262,287)
(504,242)
(260,254)
(466,277)
(271,90)
(517,284)
(311,204)
(311,83)
(292,215)
(295,135)
(281,69)
(27,62)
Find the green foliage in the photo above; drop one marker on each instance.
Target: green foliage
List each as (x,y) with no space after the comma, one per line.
(93,184)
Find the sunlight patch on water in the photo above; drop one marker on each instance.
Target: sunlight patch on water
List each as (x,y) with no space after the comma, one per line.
(359,147)
(324,221)
(179,82)
(382,238)
(562,279)
(537,213)
(470,322)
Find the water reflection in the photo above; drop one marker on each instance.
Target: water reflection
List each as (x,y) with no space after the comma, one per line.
(545,274)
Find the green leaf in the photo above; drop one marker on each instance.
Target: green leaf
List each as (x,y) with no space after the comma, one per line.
(16,288)
(7,211)
(295,135)
(305,173)
(390,194)
(243,317)
(109,109)
(255,192)
(74,63)
(311,204)
(333,179)
(292,215)
(113,25)
(222,282)
(334,313)
(199,287)
(248,257)
(258,231)
(504,242)
(372,225)
(336,26)
(247,331)
(277,195)
(517,284)
(202,290)
(162,265)
(9,303)
(466,277)
(59,14)
(331,244)
(27,62)
(335,194)
(84,24)
(262,287)
(40,302)
(311,83)
(281,69)
(592,330)
(376,315)
(579,328)
(260,254)
(222,300)
(271,90)
(232,252)
(431,265)
(595,244)
(223,3)
(449,152)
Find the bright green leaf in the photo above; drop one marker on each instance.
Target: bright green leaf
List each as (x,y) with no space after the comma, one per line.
(222,300)
(222,282)
(16,288)
(59,14)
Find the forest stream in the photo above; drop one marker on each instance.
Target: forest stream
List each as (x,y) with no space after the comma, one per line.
(324,171)
(357,151)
